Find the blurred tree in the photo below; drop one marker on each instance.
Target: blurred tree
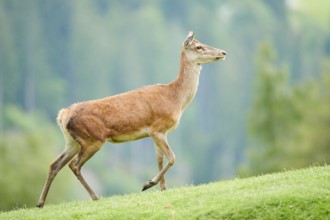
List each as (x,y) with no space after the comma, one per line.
(311,143)
(272,112)
(289,126)
(26,68)
(26,152)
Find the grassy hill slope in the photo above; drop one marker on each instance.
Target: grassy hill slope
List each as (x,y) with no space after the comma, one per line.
(300,194)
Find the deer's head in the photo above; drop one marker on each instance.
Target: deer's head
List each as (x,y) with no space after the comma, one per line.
(201,53)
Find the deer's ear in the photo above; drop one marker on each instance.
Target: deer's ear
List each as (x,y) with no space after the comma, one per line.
(189,39)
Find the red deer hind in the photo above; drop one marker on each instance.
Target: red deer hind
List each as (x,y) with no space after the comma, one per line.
(151,111)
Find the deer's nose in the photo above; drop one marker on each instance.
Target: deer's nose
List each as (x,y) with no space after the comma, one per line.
(224,53)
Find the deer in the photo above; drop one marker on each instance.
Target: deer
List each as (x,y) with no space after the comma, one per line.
(152,111)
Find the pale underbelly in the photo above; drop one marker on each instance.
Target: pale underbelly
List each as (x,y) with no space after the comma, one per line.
(120,138)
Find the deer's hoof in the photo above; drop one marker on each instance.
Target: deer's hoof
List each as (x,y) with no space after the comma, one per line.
(148,185)
(40,205)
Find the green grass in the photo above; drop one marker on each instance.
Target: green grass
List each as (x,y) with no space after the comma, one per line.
(299,194)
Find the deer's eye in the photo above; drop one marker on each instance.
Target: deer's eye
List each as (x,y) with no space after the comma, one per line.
(199,48)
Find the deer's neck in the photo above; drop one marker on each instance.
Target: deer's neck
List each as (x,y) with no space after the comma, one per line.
(187,81)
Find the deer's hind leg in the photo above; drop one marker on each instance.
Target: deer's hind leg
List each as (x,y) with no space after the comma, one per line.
(80,159)
(70,150)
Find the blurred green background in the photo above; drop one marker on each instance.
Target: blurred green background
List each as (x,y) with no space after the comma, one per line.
(265,108)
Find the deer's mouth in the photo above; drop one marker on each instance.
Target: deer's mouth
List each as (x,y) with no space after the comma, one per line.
(221,55)
(220,58)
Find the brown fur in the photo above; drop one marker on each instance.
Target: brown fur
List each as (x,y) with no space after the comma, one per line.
(122,115)
(152,111)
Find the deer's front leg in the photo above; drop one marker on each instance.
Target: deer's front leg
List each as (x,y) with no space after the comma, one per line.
(160,161)
(160,141)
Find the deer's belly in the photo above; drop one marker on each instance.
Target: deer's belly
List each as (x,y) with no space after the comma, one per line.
(120,138)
